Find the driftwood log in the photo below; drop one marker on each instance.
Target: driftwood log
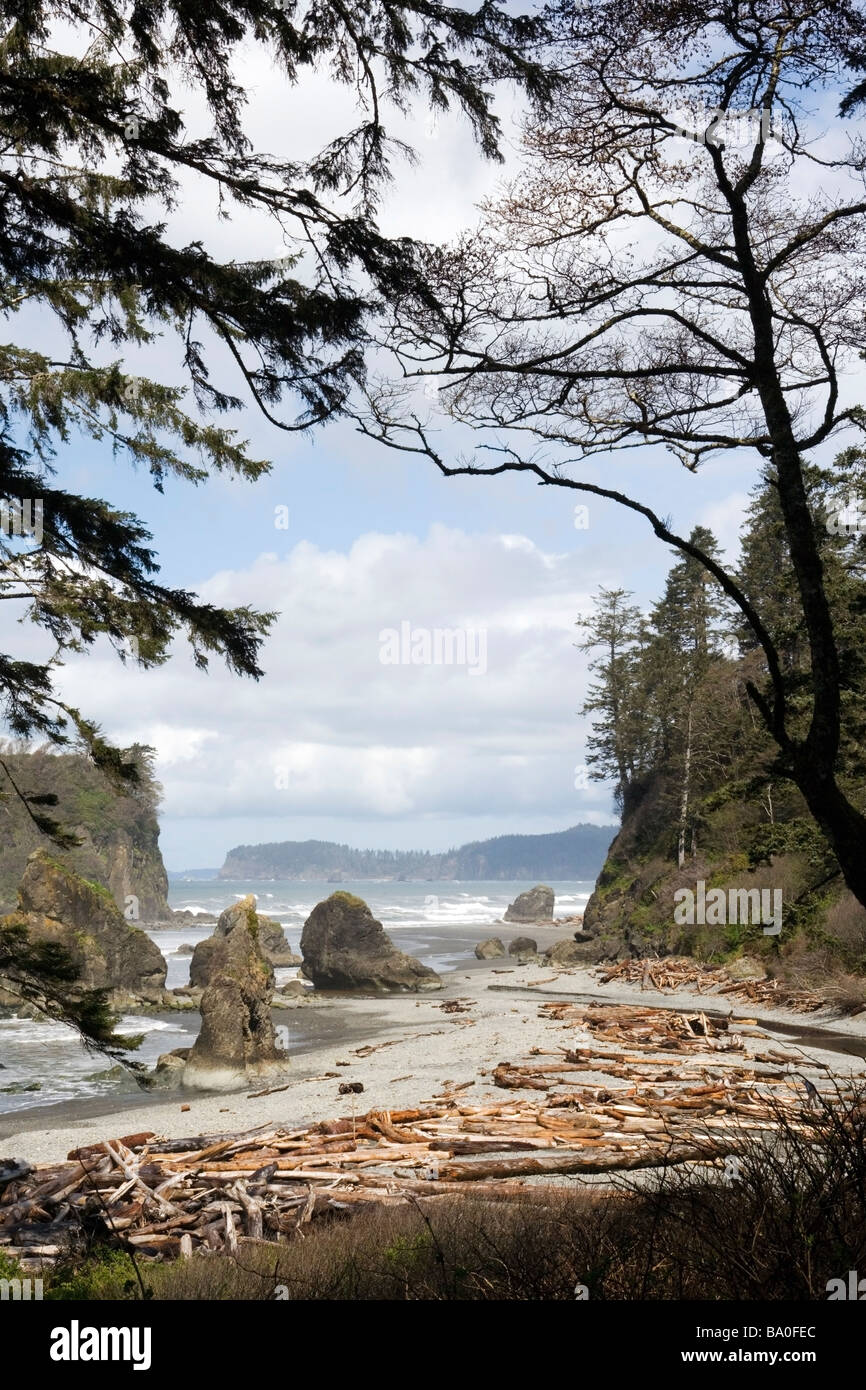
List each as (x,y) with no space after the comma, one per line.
(678,1089)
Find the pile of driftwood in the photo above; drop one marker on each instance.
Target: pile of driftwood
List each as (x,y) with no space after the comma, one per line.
(630,1088)
(682,973)
(174,1197)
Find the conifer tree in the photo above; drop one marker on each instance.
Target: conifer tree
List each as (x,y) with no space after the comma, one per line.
(619,742)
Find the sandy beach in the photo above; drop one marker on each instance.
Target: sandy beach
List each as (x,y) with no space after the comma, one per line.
(405,1048)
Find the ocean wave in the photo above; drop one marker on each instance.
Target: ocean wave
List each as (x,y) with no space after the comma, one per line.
(132,1023)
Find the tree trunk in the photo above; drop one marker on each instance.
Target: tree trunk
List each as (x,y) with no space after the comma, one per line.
(813,761)
(843,825)
(684,799)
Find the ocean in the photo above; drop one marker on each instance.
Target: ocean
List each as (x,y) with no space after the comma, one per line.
(44,1063)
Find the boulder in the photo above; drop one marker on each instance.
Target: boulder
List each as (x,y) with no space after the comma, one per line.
(523,947)
(535,905)
(565,952)
(109,953)
(746,968)
(274,944)
(290,994)
(186,948)
(344,947)
(490,949)
(236,1045)
(168,1072)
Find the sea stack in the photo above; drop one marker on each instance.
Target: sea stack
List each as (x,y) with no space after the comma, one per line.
(535,905)
(237,1044)
(344,947)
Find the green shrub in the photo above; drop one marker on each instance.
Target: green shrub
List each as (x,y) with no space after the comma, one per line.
(107,1274)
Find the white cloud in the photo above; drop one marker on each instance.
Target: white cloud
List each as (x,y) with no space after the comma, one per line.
(176,745)
(331,732)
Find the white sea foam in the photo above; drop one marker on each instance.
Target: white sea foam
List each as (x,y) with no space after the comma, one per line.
(132,1023)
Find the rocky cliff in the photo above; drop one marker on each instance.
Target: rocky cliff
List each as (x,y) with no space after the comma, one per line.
(748,884)
(109,953)
(118,834)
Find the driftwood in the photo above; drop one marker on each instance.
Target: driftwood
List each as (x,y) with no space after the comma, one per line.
(600,1161)
(170,1198)
(267,1185)
(683,973)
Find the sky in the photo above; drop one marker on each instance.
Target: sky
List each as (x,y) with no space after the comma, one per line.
(358,548)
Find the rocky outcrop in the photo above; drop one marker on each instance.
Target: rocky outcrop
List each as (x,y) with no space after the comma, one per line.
(237,1043)
(567,952)
(117,833)
(344,947)
(134,874)
(110,953)
(535,905)
(523,947)
(185,917)
(632,912)
(274,943)
(490,949)
(202,961)
(206,954)
(271,937)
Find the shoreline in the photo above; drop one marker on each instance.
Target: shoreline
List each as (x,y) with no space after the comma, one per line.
(412,1050)
(324,1022)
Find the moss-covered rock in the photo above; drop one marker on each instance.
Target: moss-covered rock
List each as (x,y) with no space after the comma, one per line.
(237,1043)
(110,953)
(118,832)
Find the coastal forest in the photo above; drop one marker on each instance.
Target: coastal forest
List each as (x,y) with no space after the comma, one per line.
(705,793)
